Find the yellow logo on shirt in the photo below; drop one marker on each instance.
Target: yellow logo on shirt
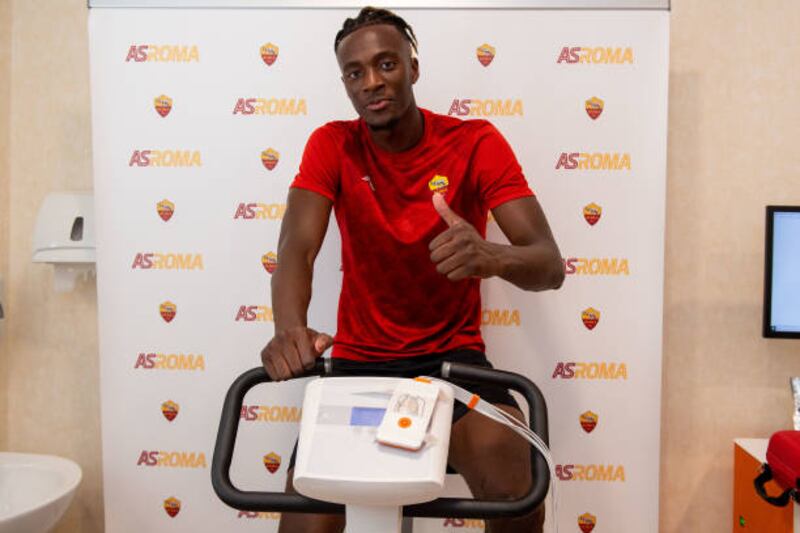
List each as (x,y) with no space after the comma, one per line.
(439,184)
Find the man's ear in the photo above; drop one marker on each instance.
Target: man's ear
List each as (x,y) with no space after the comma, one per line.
(414,70)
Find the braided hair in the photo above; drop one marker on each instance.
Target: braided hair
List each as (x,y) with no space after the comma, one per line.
(370,16)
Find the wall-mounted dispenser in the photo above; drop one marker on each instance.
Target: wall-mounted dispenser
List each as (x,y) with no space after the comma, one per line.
(64,237)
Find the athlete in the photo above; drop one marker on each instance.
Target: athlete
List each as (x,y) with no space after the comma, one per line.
(411,191)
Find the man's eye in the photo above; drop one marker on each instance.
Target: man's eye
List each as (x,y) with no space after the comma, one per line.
(353,75)
(388,65)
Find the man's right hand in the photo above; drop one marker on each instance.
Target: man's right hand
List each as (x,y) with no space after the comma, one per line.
(293,351)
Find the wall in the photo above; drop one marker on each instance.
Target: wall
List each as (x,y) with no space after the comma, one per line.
(733,124)
(53,404)
(5,107)
(733,119)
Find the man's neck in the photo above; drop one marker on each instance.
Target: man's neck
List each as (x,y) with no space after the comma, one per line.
(403,134)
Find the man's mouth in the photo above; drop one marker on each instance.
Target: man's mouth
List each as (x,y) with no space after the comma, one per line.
(378,105)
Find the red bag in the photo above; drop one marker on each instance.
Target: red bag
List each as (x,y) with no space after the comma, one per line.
(783,465)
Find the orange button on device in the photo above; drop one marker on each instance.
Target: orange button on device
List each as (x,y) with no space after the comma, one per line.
(404,422)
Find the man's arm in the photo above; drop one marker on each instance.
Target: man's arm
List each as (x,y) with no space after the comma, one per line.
(531,261)
(295,347)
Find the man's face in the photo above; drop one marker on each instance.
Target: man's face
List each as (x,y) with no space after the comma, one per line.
(378,72)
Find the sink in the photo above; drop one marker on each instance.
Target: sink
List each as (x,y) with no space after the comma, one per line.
(35,490)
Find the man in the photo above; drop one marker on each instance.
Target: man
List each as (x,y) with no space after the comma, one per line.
(411,191)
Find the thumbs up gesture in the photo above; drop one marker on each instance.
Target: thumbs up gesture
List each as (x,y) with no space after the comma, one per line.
(460,252)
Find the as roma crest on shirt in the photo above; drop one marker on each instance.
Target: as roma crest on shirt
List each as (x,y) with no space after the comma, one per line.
(165,209)
(439,184)
(170,410)
(270,262)
(486,54)
(592,213)
(594,107)
(269,158)
(272,461)
(590,318)
(269,53)
(172,506)
(586,522)
(588,421)
(168,311)
(163,105)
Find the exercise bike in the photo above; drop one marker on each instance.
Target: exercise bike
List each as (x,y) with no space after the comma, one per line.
(387,481)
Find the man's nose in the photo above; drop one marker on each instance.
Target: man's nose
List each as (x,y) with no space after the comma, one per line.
(372,80)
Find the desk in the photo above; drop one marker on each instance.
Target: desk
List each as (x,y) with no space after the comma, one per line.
(751,514)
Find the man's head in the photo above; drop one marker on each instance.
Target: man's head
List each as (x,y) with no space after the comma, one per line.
(376,54)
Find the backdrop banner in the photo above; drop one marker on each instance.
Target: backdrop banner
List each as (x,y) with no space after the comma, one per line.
(200,117)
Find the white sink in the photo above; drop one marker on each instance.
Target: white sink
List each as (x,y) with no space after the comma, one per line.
(35,490)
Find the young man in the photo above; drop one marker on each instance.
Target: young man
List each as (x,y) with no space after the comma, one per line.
(411,191)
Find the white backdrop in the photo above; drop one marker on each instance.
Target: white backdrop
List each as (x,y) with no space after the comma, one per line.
(186,210)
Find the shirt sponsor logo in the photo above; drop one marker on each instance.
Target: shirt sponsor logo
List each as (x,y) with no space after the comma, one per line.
(269,53)
(163,53)
(165,209)
(269,158)
(167,261)
(603,55)
(172,506)
(588,421)
(486,108)
(586,522)
(464,522)
(259,211)
(270,106)
(439,184)
(500,317)
(270,262)
(593,161)
(254,313)
(592,213)
(167,310)
(609,473)
(590,317)
(272,462)
(172,361)
(594,107)
(597,266)
(165,459)
(270,413)
(486,53)
(163,104)
(170,410)
(165,158)
(591,370)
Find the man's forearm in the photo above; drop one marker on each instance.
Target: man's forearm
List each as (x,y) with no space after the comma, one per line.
(534,267)
(291,293)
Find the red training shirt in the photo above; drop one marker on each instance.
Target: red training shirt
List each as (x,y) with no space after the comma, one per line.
(393,302)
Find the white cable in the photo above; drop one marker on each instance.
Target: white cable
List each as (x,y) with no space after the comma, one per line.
(498,415)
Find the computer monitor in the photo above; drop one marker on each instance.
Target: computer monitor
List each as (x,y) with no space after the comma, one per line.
(782,273)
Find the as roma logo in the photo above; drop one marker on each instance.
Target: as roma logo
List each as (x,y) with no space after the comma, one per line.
(170,410)
(272,461)
(486,54)
(588,421)
(270,262)
(594,106)
(172,506)
(165,209)
(269,158)
(590,317)
(168,310)
(163,105)
(592,213)
(586,522)
(439,184)
(269,53)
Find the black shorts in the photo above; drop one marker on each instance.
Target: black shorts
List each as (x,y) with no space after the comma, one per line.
(426,365)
